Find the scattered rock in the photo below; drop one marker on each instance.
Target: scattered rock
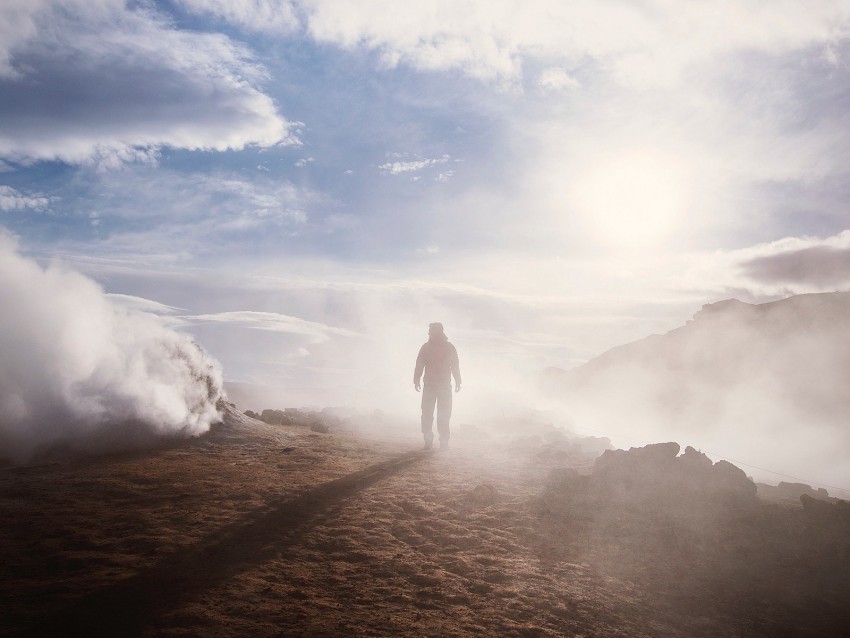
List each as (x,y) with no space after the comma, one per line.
(660,515)
(275,417)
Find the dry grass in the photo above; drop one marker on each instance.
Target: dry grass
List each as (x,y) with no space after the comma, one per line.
(257,530)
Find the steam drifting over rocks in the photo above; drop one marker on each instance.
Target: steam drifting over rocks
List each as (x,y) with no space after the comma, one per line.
(654,478)
(82,374)
(764,383)
(698,534)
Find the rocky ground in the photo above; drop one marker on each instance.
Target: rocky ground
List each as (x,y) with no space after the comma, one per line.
(285,530)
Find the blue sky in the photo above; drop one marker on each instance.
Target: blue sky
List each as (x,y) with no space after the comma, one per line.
(304,185)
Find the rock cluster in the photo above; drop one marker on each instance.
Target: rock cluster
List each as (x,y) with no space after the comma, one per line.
(791,494)
(652,509)
(657,474)
(654,478)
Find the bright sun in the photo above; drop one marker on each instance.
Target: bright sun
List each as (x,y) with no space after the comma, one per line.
(633,200)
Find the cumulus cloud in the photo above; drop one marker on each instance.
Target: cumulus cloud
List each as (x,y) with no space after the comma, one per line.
(13,199)
(109,82)
(647,43)
(82,373)
(639,43)
(17,24)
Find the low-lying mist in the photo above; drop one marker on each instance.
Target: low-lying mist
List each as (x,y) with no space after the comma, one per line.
(762,385)
(82,374)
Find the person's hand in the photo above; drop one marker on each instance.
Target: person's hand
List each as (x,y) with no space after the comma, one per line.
(416,387)
(457,387)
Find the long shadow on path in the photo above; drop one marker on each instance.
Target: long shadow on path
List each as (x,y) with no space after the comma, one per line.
(131,606)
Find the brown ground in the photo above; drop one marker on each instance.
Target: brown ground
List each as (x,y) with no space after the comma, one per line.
(259,530)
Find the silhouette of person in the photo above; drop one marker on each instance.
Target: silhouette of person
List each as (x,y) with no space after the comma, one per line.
(438,359)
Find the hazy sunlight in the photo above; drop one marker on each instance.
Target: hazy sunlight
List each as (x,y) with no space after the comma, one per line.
(633,200)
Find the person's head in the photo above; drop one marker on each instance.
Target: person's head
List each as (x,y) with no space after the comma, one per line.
(435,329)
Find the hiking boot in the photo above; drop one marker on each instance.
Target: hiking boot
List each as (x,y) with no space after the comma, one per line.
(429,442)
(444,445)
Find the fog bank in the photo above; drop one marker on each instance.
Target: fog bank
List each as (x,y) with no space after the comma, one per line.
(79,372)
(763,385)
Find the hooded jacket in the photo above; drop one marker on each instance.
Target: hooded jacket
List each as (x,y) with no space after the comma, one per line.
(438,358)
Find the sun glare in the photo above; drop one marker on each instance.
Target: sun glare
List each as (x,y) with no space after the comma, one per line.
(634,200)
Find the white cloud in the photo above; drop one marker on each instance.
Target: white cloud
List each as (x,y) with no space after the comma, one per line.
(755,274)
(82,372)
(434,35)
(141,304)
(315,332)
(271,16)
(396,168)
(136,84)
(17,24)
(798,264)
(713,93)
(12,199)
(650,42)
(155,213)
(675,170)
(556,79)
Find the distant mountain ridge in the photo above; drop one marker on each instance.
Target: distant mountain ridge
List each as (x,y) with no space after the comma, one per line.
(728,333)
(768,376)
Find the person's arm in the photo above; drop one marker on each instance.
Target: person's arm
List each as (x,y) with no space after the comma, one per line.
(420,366)
(456,369)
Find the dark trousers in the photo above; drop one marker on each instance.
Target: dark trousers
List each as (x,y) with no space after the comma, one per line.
(441,397)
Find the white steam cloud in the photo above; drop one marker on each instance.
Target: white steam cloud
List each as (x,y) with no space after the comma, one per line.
(82,373)
(761,385)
